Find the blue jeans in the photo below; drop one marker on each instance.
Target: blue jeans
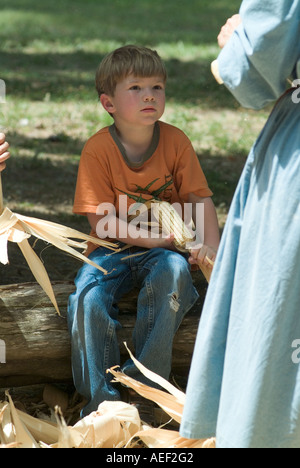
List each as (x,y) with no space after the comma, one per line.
(166,295)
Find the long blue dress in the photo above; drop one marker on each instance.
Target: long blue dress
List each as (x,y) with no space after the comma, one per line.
(244,383)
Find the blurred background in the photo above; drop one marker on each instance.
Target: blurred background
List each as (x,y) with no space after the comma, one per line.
(49,52)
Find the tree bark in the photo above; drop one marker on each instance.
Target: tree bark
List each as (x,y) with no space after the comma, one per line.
(35,343)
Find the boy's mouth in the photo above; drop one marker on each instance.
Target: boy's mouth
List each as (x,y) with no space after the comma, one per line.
(149,109)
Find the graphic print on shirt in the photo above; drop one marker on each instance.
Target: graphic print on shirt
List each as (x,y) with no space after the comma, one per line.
(164,190)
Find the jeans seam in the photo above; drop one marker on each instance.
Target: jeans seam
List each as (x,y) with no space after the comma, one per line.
(110,328)
(150,301)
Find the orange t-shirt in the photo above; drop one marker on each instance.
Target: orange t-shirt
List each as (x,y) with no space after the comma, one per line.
(170,171)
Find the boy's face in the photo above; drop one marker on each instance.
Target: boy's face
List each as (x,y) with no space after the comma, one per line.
(137,101)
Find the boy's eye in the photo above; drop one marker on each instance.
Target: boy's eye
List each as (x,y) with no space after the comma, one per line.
(134,88)
(157,87)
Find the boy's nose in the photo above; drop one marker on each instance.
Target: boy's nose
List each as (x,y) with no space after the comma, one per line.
(148,97)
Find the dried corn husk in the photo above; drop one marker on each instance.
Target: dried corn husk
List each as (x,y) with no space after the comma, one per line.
(23,437)
(20,430)
(172,402)
(168,220)
(113,425)
(162,438)
(171,222)
(7,435)
(207,270)
(17,228)
(43,431)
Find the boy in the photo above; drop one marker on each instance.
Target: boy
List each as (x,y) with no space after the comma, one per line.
(144,158)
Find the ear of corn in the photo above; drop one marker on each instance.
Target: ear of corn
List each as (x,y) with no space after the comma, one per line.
(171,222)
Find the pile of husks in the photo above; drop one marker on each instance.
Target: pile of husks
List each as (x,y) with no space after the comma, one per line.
(113,425)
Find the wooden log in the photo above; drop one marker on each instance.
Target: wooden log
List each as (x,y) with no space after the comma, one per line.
(37,343)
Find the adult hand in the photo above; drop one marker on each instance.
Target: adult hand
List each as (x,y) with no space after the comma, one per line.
(228,29)
(4,153)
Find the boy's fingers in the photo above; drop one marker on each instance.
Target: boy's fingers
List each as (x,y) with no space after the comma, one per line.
(192,260)
(170,237)
(202,255)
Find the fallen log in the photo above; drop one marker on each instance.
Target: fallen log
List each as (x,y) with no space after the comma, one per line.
(35,343)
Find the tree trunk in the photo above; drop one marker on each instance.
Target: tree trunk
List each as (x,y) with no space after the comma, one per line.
(35,343)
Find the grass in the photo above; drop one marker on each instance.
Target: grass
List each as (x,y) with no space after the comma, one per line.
(49,53)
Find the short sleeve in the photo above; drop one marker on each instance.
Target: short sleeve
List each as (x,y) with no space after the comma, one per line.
(189,176)
(93,184)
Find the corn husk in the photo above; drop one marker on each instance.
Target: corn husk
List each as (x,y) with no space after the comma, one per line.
(207,270)
(17,228)
(172,402)
(7,435)
(162,438)
(171,222)
(113,425)
(15,429)
(168,220)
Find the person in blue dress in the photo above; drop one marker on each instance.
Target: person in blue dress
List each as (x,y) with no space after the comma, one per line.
(244,382)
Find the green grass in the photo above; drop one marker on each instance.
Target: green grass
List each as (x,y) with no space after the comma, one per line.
(49,52)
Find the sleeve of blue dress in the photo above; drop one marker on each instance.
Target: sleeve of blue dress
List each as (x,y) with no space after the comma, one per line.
(262,53)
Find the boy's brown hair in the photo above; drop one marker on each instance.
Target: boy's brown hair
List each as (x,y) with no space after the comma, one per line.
(130,59)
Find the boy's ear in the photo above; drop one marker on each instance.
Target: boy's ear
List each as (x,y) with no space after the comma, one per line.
(107,103)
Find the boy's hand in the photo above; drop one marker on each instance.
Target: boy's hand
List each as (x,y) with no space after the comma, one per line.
(163,243)
(4,154)
(204,255)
